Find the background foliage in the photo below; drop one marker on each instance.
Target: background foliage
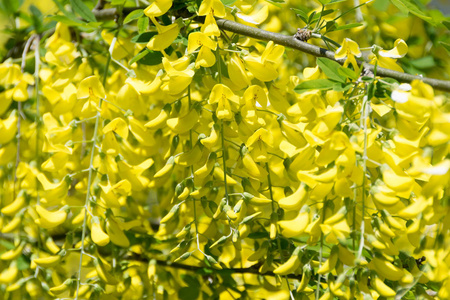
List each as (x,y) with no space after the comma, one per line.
(147,153)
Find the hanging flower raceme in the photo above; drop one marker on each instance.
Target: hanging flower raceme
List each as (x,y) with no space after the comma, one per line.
(388,58)
(166,34)
(16,85)
(217,158)
(349,50)
(61,51)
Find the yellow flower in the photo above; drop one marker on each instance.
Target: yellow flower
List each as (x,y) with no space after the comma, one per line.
(255,18)
(258,144)
(400,49)
(264,67)
(199,39)
(222,95)
(388,58)
(205,58)
(166,35)
(348,50)
(237,72)
(158,8)
(91,87)
(255,94)
(8,128)
(210,27)
(215,6)
(122,46)
(176,80)
(119,126)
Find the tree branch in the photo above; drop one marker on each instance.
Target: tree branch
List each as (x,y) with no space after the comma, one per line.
(291,42)
(250,270)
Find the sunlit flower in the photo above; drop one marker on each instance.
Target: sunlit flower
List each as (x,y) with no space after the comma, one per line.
(215,7)
(158,8)
(349,50)
(388,58)
(223,95)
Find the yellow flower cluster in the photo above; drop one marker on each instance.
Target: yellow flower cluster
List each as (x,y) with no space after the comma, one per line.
(210,159)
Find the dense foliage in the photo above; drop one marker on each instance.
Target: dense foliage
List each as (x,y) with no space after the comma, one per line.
(145,152)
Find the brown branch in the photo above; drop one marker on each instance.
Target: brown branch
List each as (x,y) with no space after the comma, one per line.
(250,270)
(291,42)
(111,13)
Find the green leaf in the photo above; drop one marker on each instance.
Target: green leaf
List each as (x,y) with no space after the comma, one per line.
(35,11)
(371,90)
(330,68)
(446,24)
(139,56)
(424,62)
(446,46)
(342,87)
(6,244)
(381,5)
(66,20)
(258,235)
(80,8)
(148,57)
(348,26)
(277,3)
(330,26)
(324,2)
(302,14)
(36,16)
(22,264)
(311,17)
(317,84)
(143,38)
(188,293)
(118,2)
(228,2)
(348,11)
(136,14)
(190,280)
(347,73)
(143,24)
(406,6)
(61,8)
(335,1)
(10,6)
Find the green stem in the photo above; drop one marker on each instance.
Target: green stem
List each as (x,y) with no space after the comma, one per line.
(38,126)
(364,116)
(91,170)
(319,276)
(278,238)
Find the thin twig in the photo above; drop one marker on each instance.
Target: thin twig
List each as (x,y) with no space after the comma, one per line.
(19,116)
